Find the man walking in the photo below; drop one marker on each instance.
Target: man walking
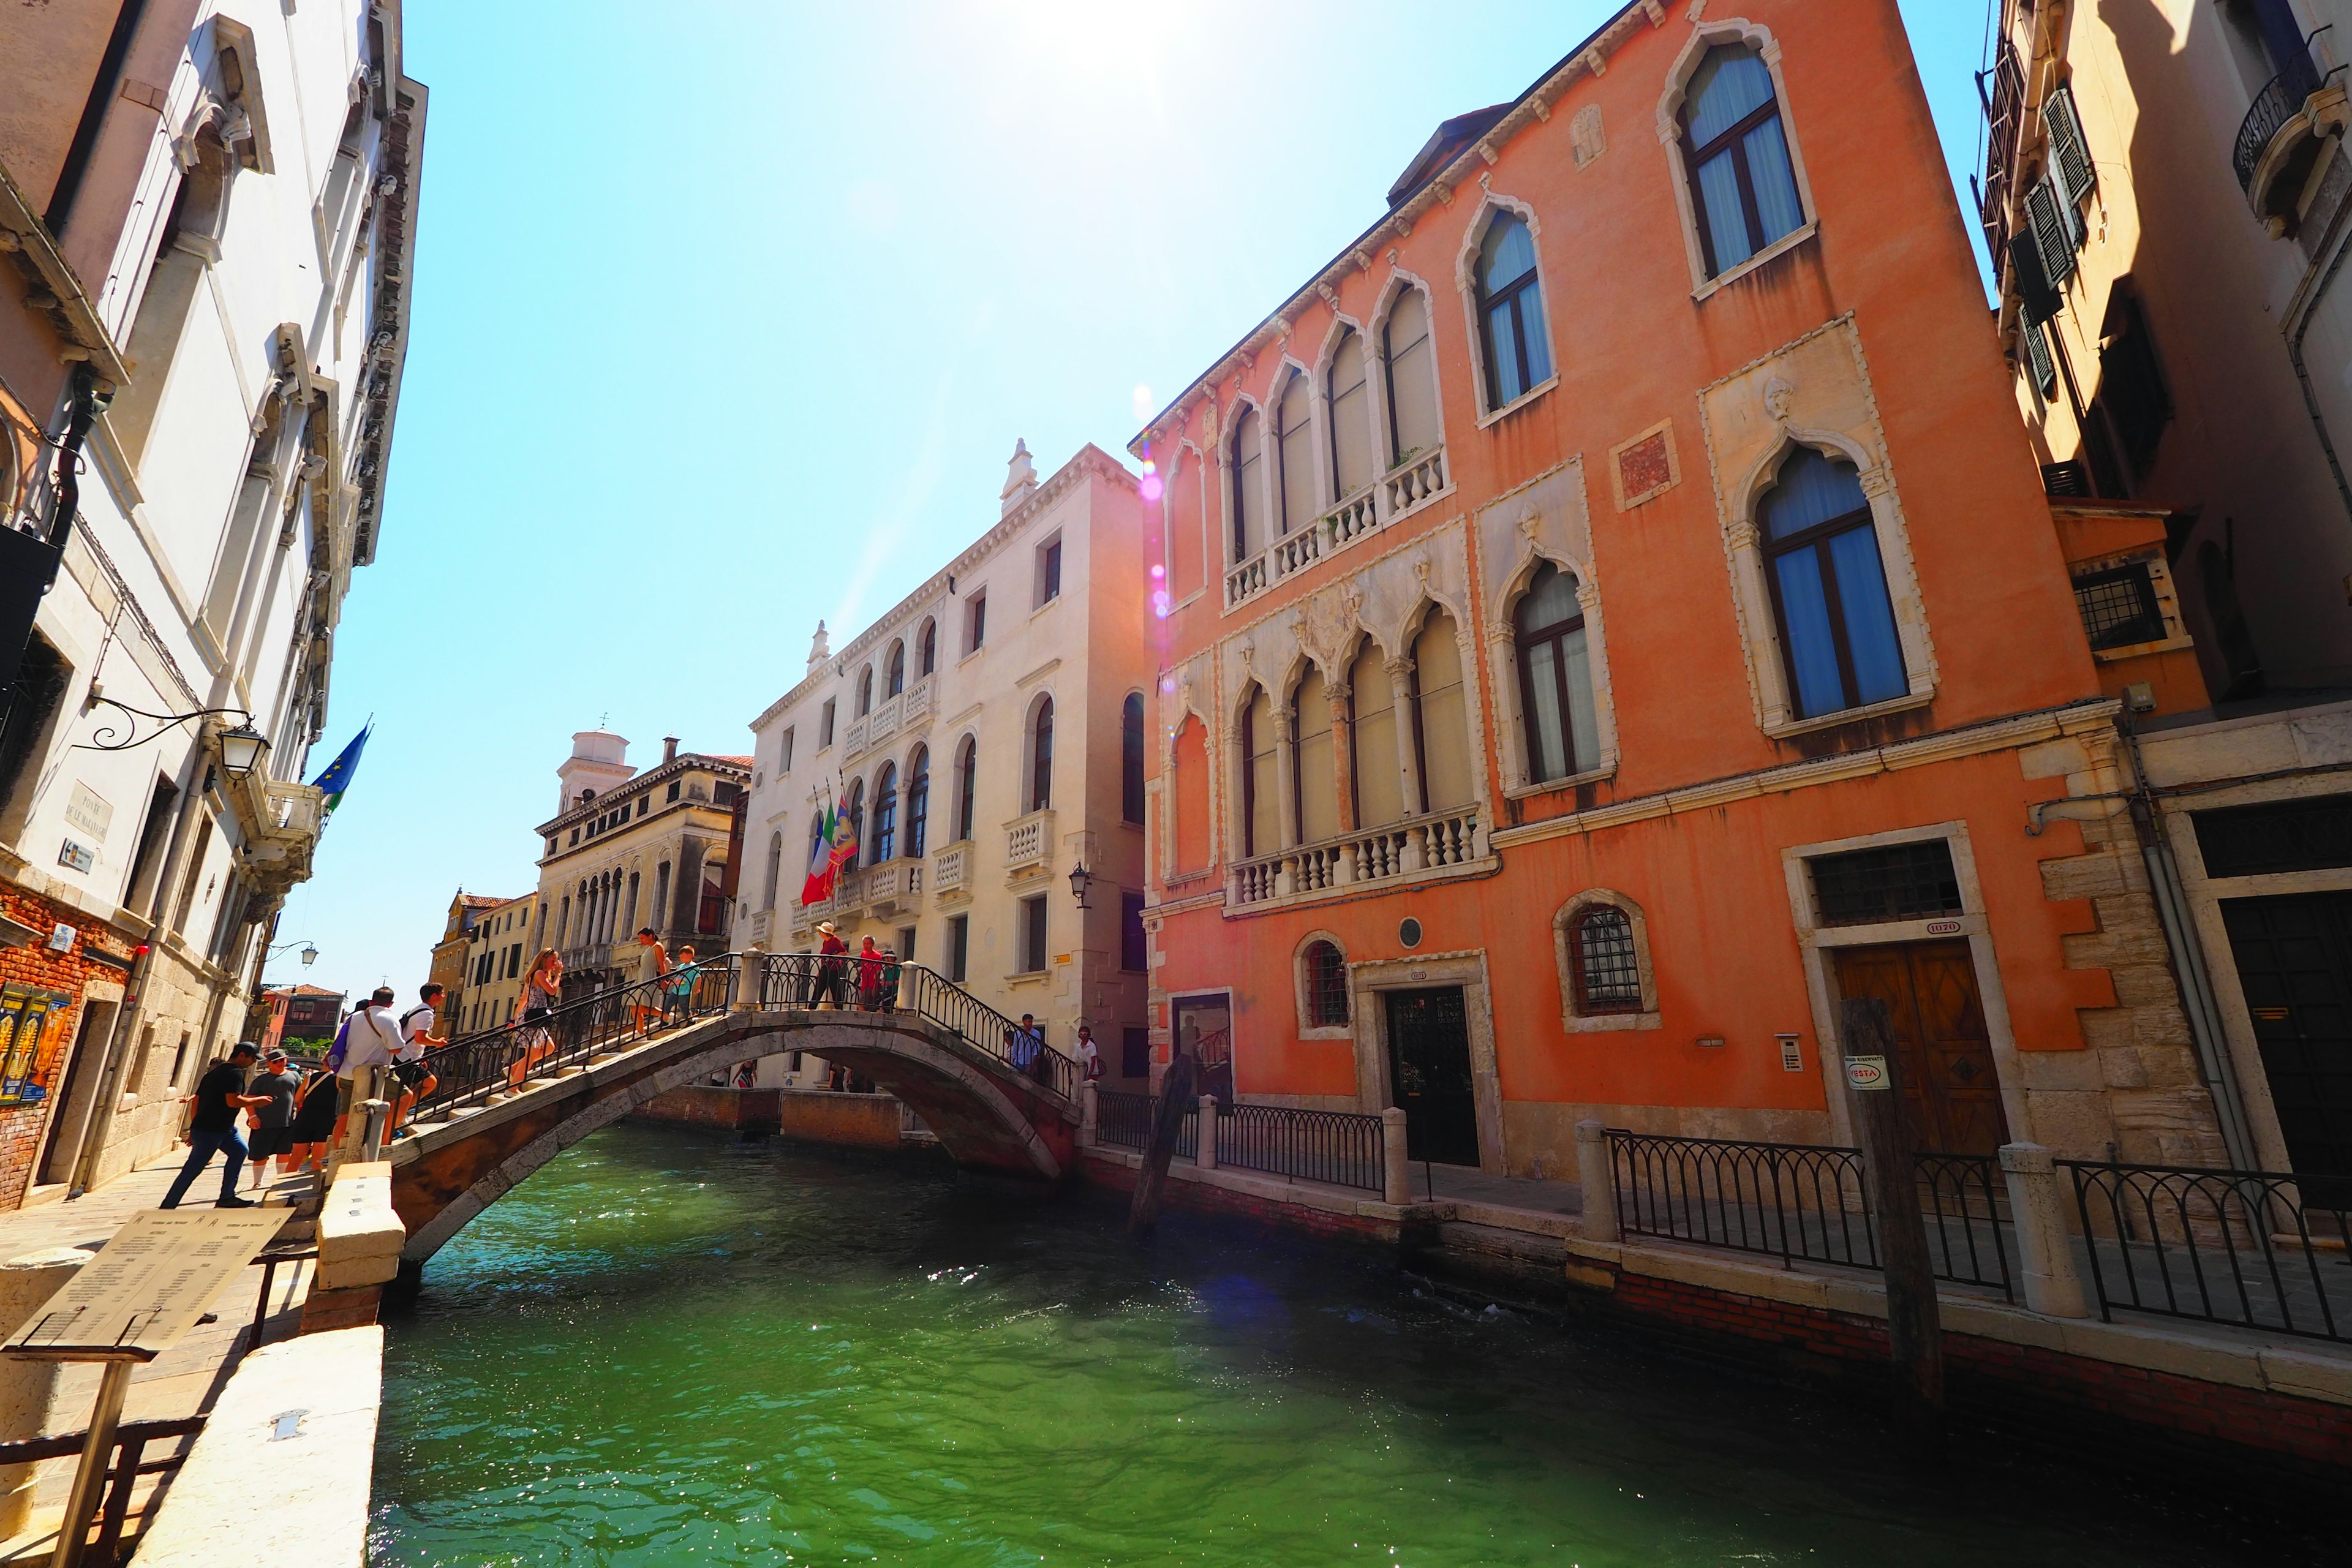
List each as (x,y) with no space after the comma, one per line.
(273,1119)
(371,1045)
(653,962)
(415,1079)
(220,1095)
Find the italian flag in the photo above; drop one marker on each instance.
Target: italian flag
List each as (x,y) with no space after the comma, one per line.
(836,847)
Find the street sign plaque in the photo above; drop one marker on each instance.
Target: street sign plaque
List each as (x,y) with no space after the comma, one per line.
(154,1277)
(1865,1072)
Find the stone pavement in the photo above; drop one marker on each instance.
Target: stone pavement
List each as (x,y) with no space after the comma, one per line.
(185,1380)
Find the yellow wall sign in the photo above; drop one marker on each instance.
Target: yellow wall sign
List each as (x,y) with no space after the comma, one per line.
(30,1026)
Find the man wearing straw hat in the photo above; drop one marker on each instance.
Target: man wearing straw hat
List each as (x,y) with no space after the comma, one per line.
(833,967)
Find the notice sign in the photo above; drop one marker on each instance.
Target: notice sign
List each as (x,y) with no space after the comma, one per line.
(1865,1072)
(154,1278)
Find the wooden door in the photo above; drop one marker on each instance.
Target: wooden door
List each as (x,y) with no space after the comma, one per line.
(1951,1093)
(1429,1075)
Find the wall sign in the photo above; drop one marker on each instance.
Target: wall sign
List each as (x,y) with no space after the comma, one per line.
(1865,1072)
(1943,927)
(61,939)
(76,857)
(87,810)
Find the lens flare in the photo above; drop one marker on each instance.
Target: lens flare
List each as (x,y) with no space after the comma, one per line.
(1149,489)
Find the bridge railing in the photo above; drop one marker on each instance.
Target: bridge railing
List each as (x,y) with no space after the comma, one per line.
(785,980)
(1343,1148)
(474,1068)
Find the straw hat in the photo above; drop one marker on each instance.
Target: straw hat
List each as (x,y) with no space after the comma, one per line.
(826,927)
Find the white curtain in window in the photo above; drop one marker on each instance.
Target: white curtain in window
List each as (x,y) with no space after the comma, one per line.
(1445,716)
(1380,788)
(1412,379)
(1351,421)
(1318,784)
(1296,437)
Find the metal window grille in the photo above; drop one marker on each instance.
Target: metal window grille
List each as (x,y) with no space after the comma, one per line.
(2312,835)
(1608,970)
(2119,606)
(1901,881)
(1326,987)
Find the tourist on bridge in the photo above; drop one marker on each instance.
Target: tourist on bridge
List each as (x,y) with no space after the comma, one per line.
(273,1120)
(832,967)
(219,1096)
(314,1122)
(869,974)
(1026,1049)
(408,1067)
(653,962)
(1089,1058)
(890,973)
(371,1045)
(680,993)
(535,1013)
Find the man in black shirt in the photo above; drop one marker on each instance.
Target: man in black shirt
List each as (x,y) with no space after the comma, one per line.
(220,1095)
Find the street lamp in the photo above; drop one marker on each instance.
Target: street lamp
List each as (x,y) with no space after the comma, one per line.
(1080,879)
(241,750)
(308,955)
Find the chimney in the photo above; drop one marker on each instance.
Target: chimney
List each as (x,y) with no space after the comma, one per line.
(669,748)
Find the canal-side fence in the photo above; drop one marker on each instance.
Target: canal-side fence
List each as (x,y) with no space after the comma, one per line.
(1343,1148)
(474,1069)
(2254,1248)
(1806,1202)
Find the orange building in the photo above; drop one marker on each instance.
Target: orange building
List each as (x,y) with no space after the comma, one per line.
(1611,615)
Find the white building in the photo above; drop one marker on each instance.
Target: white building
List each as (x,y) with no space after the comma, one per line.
(218,218)
(986,734)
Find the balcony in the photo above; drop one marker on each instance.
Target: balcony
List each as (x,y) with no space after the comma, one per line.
(1029,845)
(951,870)
(1418,851)
(905,712)
(892,886)
(1421,478)
(282,820)
(2284,130)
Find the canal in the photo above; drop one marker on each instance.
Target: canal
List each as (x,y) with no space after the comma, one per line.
(665,1349)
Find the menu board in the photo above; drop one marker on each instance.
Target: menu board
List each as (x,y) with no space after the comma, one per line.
(148,1285)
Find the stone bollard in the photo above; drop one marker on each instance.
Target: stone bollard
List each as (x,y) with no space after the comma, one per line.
(1596,1176)
(1205,1147)
(1086,1123)
(27,1387)
(377,1128)
(1396,1175)
(2045,1250)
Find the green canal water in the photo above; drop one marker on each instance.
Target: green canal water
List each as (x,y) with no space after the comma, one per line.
(667,1350)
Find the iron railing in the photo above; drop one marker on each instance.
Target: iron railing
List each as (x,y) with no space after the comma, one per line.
(1339,1147)
(2256,1248)
(474,1068)
(2280,101)
(1342,1147)
(790,980)
(1804,1201)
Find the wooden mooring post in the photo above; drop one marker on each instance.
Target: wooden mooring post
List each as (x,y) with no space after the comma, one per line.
(1177,1096)
(1874,1069)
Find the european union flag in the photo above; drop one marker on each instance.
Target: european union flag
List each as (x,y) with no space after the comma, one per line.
(338,776)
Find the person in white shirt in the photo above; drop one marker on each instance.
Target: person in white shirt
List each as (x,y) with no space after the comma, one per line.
(416,1038)
(1089,1058)
(371,1044)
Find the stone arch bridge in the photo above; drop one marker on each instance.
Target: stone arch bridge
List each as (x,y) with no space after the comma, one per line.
(510,1099)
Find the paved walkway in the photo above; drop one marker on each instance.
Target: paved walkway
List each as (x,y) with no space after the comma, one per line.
(185,1380)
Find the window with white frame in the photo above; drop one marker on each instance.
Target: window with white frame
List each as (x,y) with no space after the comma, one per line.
(1294,442)
(1049,571)
(1246,464)
(1513,337)
(1350,404)
(1735,156)
(1836,622)
(783,751)
(1411,371)
(1556,712)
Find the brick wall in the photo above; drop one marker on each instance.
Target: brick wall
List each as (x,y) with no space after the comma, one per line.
(23,1125)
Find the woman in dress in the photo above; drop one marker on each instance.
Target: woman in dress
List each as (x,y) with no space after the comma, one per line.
(541,985)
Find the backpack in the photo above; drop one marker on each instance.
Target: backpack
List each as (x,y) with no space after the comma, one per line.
(425,1008)
(343,1042)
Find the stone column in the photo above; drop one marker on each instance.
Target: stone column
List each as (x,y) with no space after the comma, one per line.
(1086,1115)
(1286,776)
(1396,1174)
(1206,1155)
(1596,1175)
(2045,1250)
(27,1387)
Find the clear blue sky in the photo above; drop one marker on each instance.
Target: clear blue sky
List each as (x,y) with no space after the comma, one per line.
(727,315)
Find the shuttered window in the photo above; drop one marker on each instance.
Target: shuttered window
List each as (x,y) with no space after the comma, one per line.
(2057,228)
(2069,152)
(2038,362)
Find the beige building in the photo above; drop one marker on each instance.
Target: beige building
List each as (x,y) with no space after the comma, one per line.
(985,736)
(627,850)
(451,954)
(2169,202)
(497,951)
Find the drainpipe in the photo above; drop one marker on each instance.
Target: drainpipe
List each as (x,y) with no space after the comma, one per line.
(2188,959)
(68,189)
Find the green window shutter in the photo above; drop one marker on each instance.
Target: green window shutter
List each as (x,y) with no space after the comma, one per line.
(2070,154)
(2047,216)
(2037,296)
(2038,361)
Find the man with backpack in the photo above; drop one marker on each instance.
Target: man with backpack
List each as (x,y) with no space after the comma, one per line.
(370,1044)
(414,1077)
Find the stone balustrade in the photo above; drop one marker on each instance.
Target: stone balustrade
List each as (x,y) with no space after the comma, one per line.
(1397,852)
(1412,485)
(1029,842)
(952,869)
